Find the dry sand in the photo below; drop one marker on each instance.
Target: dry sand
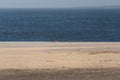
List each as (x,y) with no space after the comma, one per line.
(50,55)
(93,61)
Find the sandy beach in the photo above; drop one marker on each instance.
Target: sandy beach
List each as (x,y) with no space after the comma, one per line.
(49,55)
(19,58)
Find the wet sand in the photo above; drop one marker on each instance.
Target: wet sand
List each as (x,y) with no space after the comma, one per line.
(57,74)
(59,61)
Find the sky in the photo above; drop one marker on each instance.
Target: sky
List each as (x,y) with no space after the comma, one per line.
(56,3)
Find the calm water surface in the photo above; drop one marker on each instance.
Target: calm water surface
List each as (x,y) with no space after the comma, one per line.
(95,25)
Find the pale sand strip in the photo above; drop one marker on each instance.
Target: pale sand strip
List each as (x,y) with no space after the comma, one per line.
(60,55)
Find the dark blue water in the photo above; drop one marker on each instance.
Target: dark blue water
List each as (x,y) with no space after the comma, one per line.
(95,25)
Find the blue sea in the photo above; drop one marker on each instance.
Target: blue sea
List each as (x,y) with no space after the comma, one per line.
(74,25)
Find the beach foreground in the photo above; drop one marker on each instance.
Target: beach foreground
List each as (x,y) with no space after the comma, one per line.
(59,61)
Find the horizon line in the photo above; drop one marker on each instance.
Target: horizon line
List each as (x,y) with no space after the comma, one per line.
(82,7)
